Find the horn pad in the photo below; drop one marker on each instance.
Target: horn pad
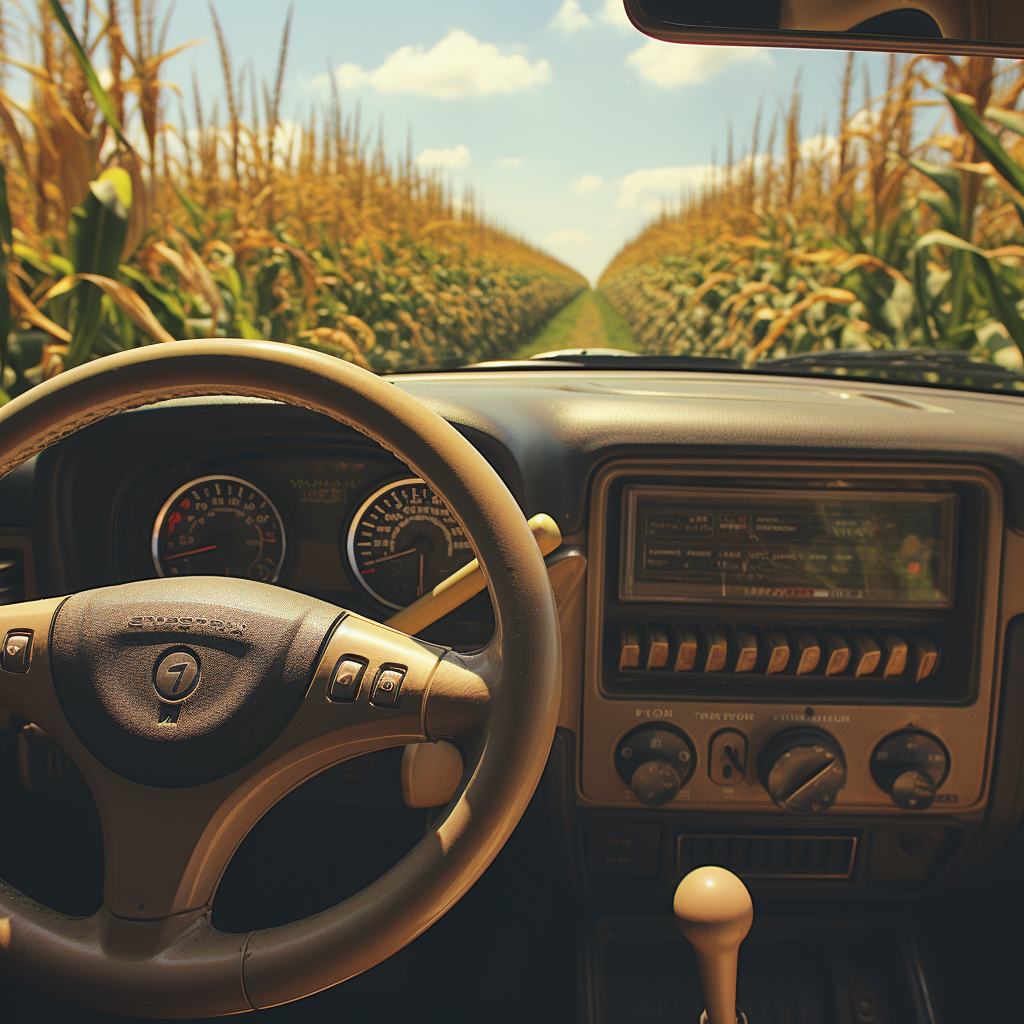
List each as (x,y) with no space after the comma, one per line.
(174,682)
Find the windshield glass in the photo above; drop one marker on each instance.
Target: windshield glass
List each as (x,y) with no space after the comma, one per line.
(430,186)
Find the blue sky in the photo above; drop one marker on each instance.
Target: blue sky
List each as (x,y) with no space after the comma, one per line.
(570,125)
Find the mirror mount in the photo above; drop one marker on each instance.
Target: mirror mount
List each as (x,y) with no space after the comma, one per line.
(988,27)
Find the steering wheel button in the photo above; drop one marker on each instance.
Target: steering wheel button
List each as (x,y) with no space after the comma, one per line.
(387,686)
(345,679)
(17,653)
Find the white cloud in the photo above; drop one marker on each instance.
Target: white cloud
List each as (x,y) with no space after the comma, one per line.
(510,161)
(672,64)
(648,189)
(819,147)
(614,13)
(570,18)
(456,67)
(451,159)
(588,183)
(569,237)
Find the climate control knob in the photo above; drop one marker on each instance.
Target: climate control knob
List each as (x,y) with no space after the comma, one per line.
(803,770)
(655,761)
(910,766)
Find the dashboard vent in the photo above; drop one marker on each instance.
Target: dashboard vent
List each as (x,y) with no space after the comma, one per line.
(770,856)
(12,576)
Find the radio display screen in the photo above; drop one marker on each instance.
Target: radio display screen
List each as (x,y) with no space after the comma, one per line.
(883,549)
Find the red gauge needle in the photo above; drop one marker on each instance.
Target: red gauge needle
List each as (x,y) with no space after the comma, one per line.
(387,558)
(193,551)
(419,589)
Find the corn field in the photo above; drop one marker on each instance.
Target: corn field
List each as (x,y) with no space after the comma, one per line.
(137,215)
(879,237)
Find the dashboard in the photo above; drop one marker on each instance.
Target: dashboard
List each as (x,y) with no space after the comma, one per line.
(791,611)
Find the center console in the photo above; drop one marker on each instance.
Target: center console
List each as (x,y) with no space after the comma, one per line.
(786,663)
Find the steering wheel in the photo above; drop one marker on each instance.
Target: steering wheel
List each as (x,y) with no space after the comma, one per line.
(192,705)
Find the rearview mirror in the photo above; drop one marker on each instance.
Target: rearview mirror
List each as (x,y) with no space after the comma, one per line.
(994,27)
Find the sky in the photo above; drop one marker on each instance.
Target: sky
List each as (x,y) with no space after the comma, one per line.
(571,126)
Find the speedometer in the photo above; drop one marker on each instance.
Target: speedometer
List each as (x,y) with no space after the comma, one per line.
(403,541)
(219,526)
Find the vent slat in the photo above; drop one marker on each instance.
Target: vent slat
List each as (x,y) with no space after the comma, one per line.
(12,576)
(770,856)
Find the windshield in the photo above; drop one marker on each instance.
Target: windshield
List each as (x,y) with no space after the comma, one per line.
(448,184)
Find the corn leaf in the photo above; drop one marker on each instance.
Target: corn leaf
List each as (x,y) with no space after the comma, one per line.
(921,297)
(1000,304)
(34,315)
(987,142)
(99,94)
(165,298)
(128,300)
(97,233)
(193,209)
(947,180)
(1012,119)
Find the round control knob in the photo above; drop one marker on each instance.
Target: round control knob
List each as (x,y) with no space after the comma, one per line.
(913,791)
(803,770)
(655,761)
(655,783)
(910,766)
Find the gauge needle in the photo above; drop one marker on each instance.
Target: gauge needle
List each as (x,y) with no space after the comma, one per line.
(192,551)
(387,558)
(419,589)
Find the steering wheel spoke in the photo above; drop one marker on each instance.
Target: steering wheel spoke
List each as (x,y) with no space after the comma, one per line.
(167,847)
(26,686)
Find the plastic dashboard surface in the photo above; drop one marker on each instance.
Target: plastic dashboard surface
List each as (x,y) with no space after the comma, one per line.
(548,434)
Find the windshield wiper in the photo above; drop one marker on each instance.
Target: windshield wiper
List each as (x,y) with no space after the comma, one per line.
(611,359)
(927,367)
(911,366)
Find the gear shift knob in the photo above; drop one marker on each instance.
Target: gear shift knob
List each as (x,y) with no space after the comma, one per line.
(714,911)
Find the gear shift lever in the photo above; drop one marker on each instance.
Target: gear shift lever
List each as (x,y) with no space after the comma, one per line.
(714,911)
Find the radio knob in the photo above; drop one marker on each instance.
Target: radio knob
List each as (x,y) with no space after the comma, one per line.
(910,766)
(913,791)
(803,770)
(655,783)
(655,761)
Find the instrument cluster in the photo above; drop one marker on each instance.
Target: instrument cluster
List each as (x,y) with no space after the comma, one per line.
(298,520)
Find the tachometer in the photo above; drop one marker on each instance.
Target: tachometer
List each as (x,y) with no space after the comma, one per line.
(219,526)
(403,541)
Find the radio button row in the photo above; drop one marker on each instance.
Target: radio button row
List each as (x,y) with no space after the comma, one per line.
(802,652)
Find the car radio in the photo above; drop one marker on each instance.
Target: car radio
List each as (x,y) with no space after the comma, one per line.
(790,638)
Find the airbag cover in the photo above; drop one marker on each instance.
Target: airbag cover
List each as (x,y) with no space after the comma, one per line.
(256,646)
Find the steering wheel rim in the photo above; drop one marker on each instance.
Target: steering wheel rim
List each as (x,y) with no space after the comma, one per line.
(503,702)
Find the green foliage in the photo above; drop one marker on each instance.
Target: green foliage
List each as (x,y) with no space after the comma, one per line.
(327,246)
(874,260)
(97,234)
